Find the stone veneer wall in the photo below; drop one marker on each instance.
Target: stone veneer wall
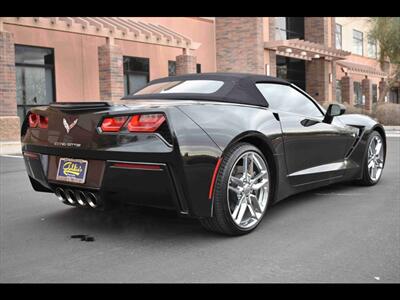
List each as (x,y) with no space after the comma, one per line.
(9,121)
(240,44)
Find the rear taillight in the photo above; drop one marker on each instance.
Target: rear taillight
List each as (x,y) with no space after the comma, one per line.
(145,123)
(36,120)
(113,124)
(136,123)
(33,120)
(43,122)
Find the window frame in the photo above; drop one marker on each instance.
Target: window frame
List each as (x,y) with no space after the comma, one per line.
(168,63)
(288,33)
(340,34)
(130,72)
(44,66)
(359,92)
(307,96)
(359,40)
(375,47)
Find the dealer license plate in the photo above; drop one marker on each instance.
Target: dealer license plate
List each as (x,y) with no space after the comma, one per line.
(72,170)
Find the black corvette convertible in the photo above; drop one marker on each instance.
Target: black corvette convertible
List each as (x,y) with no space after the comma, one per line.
(221,147)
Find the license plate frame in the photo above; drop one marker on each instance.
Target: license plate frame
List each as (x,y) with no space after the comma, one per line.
(72,170)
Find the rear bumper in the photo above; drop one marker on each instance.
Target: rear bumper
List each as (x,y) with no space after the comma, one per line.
(112,180)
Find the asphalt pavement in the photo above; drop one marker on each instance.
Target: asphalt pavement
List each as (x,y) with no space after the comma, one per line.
(340,233)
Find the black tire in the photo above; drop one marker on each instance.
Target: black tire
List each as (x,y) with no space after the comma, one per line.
(222,222)
(366,179)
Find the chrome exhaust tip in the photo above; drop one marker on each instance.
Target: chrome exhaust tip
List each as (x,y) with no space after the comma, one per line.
(60,193)
(91,199)
(80,198)
(70,196)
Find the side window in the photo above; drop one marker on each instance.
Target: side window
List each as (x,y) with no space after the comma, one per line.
(286,98)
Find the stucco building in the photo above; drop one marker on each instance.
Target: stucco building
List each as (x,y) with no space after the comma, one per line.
(56,59)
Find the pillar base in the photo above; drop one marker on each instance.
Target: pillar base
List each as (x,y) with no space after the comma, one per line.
(10,129)
(185,64)
(111,72)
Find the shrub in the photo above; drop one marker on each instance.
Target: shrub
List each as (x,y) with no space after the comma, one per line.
(388,113)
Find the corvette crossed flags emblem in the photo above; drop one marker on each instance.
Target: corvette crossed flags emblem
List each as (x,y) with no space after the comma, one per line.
(67,126)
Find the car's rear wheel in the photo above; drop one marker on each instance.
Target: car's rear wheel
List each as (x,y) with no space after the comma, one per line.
(374,162)
(242,190)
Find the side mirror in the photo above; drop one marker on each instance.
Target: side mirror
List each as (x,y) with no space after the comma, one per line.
(333,111)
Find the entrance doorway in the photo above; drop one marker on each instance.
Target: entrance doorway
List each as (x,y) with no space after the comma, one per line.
(292,70)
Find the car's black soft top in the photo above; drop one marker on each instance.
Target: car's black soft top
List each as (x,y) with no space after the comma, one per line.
(237,88)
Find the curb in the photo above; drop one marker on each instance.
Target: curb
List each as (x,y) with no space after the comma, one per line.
(392,128)
(10,147)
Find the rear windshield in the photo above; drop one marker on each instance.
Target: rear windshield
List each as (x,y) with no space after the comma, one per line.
(185,86)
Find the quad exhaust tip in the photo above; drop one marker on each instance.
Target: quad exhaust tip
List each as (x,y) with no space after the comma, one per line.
(82,198)
(70,196)
(60,193)
(91,199)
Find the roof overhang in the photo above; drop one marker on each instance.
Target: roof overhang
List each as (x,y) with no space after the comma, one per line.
(122,28)
(349,67)
(305,50)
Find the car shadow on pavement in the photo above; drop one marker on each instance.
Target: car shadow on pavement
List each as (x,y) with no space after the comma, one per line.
(132,221)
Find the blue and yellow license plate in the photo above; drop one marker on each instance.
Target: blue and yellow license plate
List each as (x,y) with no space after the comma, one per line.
(72,170)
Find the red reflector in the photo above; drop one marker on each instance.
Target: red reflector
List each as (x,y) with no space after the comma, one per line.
(210,192)
(31,155)
(137,166)
(145,123)
(33,120)
(43,122)
(113,124)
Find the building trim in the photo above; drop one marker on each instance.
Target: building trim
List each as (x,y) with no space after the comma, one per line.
(305,50)
(110,28)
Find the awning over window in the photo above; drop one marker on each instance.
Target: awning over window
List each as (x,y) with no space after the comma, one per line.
(123,28)
(361,69)
(305,50)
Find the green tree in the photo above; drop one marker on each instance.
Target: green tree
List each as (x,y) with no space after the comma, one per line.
(386,31)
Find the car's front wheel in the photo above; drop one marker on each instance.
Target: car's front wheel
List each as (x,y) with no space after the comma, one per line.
(242,190)
(374,161)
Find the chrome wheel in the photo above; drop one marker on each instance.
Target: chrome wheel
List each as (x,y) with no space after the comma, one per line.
(248,189)
(375,158)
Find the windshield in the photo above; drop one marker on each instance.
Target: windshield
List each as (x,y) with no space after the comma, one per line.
(186,86)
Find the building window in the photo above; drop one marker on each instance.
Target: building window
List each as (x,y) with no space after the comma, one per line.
(394,95)
(338,91)
(292,70)
(289,28)
(357,94)
(358,41)
(136,73)
(338,35)
(171,68)
(372,48)
(35,82)
(374,93)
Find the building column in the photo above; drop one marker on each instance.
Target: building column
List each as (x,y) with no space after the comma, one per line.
(9,121)
(382,87)
(111,72)
(320,30)
(240,44)
(185,64)
(367,93)
(317,79)
(272,63)
(346,84)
